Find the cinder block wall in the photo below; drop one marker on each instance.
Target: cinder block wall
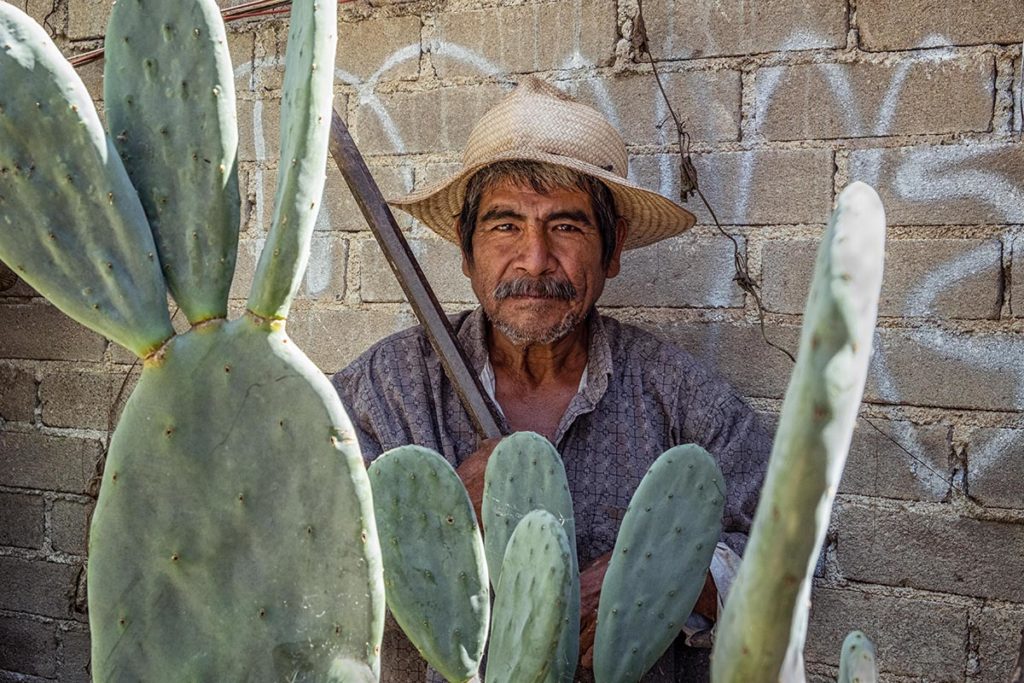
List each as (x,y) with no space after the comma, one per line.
(786,102)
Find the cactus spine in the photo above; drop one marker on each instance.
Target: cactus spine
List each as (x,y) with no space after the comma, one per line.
(234,535)
(659,564)
(761,634)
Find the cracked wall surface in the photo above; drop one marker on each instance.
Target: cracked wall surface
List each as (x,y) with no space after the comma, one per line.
(786,102)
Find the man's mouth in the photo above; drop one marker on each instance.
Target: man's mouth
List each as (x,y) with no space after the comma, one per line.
(535,288)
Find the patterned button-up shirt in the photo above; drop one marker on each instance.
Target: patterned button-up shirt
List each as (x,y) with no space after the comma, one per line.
(641,397)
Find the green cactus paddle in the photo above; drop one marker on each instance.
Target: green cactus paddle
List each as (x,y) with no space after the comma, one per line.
(761,634)
(531,601)
(434,569)
(234,536)
(659,564)
(857,660)
(525,473)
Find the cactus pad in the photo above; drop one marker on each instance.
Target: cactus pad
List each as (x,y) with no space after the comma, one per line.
(226,516)
(434,570)
(531,601)
(857,661)
(659,564)
(525,473)
(761,633)
(170,104)
(71,224)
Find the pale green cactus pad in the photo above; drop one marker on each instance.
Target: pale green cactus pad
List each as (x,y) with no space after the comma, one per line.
(659,563)
(857,661)
(531,601)
(525,473)
(435,574)
(234,536)
(761,633)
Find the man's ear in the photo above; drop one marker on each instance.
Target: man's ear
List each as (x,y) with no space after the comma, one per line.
(614,263)
(458,235)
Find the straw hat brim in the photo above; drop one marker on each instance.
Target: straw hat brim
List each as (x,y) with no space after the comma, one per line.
(650,216)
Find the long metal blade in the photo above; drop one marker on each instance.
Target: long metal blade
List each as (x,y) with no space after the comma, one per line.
(417,290)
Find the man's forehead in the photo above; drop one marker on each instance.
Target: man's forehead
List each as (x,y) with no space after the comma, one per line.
(522,198)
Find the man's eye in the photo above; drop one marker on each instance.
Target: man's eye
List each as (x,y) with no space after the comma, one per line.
(503,227)
(567,227)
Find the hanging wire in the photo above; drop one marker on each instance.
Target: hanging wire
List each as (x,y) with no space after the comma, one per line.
(689,185)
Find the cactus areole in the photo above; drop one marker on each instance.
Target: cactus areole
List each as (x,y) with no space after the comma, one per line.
(234,536)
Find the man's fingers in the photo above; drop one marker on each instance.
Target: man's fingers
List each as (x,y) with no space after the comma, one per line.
(471,471)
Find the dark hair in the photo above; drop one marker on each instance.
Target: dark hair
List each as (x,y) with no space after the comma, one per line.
(543,178)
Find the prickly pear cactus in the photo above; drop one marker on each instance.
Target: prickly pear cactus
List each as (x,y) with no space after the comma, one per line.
(234,536)
(435,574)
(659,563)
(761,634)
(531,601)
(857,660)
(525,473)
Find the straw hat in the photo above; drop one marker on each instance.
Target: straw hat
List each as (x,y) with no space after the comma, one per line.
(538,122)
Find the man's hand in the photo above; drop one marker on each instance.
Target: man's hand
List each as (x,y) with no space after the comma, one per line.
(471,472)
(591,579)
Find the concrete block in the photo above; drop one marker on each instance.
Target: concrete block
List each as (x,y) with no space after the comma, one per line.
(41,10)
(259,130)
(88,18)
(69,526)
(75,657)
(814,101)
(440,260)
(333,338)
(27,646)
(41,332)
(12,286)
(944,369)
(934,278)
(684,271)
(708,102)
(965,184)
(38,587)
(437,120)
(736,351)
(913,636)
(525,38)
(17,394)
(242,48)
(998,633)
(937,552)
(85,398)
(92,77)
(1017,279)
(23,520)
(995,467)
(325,274)
(55,463)
(878,467)
(686,30)
(763,187)
(887,25)
(379,48)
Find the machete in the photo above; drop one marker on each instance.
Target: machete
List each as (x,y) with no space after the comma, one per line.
(417,290)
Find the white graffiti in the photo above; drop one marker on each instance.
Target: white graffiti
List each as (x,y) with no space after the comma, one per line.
(924,175)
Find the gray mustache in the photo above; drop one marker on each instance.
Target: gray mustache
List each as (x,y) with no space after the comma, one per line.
(548,288)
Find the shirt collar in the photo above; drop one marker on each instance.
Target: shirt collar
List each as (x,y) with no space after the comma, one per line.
(472,335)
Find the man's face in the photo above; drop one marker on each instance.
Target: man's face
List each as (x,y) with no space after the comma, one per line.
(536,266)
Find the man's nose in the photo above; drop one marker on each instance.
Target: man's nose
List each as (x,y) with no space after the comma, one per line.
(535,257)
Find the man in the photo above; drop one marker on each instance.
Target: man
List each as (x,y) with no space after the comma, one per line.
(542,211)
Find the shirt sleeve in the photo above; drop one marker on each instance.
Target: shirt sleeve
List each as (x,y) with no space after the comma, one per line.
(714,416)
(352,385)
